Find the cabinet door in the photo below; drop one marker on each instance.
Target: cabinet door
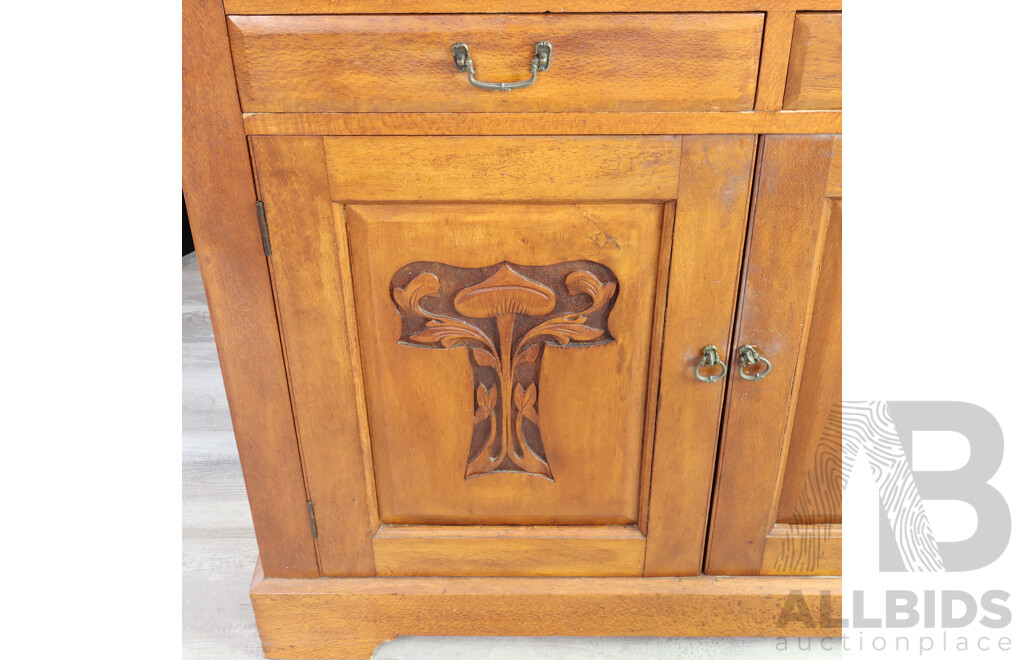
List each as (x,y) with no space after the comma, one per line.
(778,494)
(474,330)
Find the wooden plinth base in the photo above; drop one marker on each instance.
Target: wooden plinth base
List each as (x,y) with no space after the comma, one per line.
(349,617)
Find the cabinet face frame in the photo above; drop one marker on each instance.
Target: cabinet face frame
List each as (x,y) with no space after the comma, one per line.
(218,186)
(798,188)
(313,284)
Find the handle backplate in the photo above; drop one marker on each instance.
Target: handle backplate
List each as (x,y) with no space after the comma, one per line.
(749,357)
(709,358)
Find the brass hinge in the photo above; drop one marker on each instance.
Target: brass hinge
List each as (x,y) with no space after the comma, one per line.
(312,519)
(261,215)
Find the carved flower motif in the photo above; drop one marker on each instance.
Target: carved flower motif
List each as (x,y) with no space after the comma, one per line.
(506,420)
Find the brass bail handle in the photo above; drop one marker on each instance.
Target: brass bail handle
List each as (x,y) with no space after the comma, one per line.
(749,357)
(540,62)
(709,358)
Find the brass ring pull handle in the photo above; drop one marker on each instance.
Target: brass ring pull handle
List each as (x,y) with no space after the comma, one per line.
(540,62)
(749,357)
(710,359)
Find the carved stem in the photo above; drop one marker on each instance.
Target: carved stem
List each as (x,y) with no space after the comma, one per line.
(505,323)
(493,432)
(519,427)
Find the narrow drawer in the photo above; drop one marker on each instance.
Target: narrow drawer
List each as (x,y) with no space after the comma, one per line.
(599,62)
(815,78)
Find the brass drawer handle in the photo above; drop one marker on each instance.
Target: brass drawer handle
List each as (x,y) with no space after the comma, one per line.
(749,357)
(540,62)
(710,359)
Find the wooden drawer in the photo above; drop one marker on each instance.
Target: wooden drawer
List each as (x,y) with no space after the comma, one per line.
(609,62)
(815,78)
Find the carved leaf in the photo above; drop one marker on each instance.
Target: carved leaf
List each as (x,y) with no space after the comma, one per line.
(484,358)
(571,327)
(449,332)
(530,396)
(517,398)
(529,399)
(531,414)
(582,281)
(568,329)
(485,400)
(528,354)
(424,285)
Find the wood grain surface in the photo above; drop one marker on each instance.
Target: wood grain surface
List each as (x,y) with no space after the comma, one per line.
(305,260)
(815,80)
(549,123)
(503,168)
(531,551)
(513,6)
(711,218)
(803,550)
(785,237)
(219,547)
(771,79)
(811,490)
(668,224)
(218,187)
(599,62)
(812,485)
(349,617)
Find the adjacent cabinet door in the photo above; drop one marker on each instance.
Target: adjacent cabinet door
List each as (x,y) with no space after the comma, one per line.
(491,344)
(778,492)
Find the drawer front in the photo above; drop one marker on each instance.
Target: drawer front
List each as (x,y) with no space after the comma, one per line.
(815,78)
(610,62)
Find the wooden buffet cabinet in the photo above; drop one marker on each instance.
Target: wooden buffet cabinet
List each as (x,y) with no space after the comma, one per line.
(554,359)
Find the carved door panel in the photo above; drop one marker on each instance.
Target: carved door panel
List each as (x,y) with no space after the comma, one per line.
(778,502)
(475,330)
(541,393)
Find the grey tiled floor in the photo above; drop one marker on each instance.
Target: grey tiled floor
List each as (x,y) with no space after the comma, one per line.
(219,548)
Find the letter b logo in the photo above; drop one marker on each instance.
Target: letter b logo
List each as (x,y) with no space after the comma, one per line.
(883,430)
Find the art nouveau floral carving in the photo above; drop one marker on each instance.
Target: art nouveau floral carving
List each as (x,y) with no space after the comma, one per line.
(504,315)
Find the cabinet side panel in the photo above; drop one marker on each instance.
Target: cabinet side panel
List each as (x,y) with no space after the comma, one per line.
(218,186)
(707,247)
(324,378)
